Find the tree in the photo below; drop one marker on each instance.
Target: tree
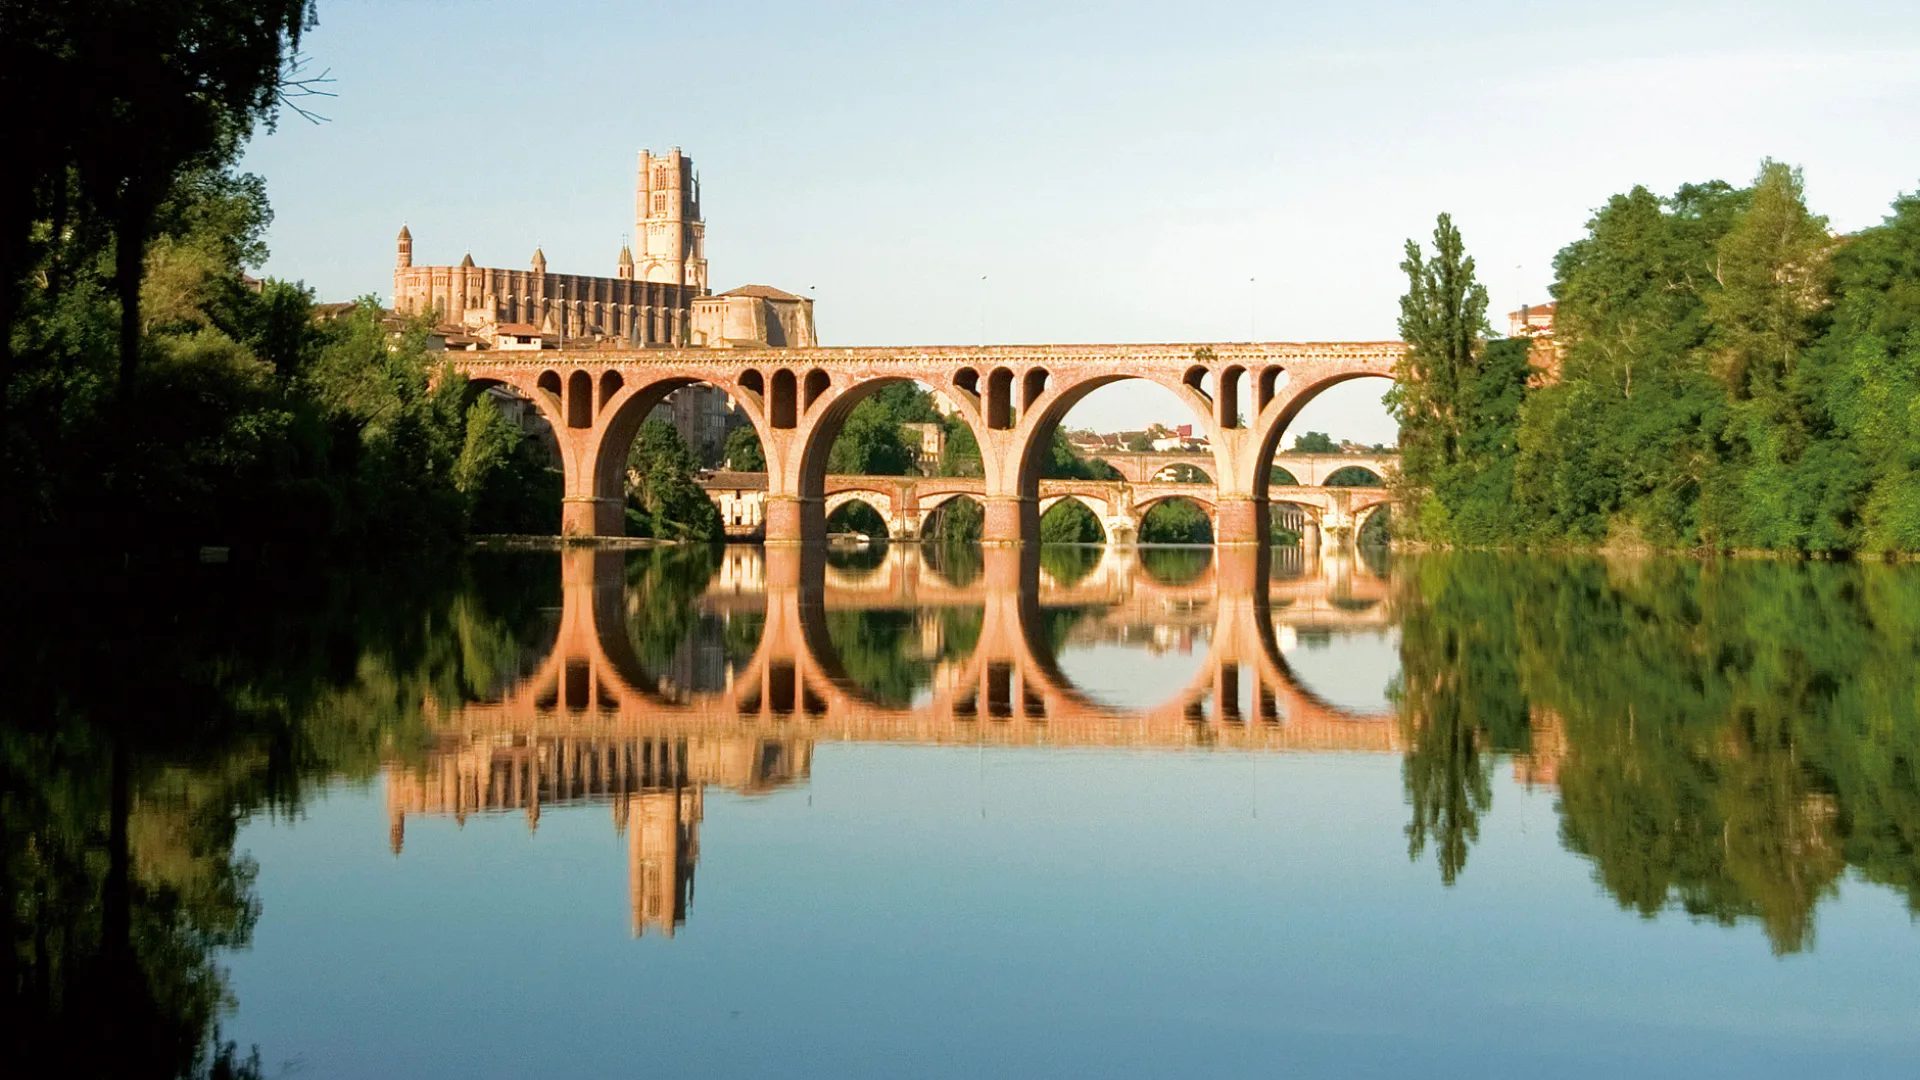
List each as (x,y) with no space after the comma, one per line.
(1070,522)
(742,452)
(167,86)
(1315,442)
(1443,318)
(663,497)
(1175,521)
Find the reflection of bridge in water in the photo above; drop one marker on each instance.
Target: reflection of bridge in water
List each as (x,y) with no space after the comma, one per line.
(592,724)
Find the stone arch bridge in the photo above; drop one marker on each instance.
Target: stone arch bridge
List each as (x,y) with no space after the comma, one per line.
(1013,398)
(907,502)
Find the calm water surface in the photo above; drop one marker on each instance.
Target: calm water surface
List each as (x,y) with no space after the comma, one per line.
(949,813)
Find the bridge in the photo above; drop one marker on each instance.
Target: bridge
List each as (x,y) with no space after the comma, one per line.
(907,502)
(1243,397)
(1308,470)
(589,723)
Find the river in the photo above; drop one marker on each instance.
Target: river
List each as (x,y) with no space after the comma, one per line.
(1068,812)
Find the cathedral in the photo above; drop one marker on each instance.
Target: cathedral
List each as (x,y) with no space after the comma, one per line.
(657,297)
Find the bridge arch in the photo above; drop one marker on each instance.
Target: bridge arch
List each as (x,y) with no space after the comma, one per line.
(1274,427)
(628,407)
(838,395)
(880,503)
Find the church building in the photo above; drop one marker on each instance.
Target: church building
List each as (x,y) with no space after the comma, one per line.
(657,296)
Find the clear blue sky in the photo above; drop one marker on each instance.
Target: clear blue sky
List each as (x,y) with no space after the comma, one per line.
(1116,172)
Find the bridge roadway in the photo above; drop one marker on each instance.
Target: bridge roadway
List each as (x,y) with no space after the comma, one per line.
(906,502)
(1012,397)
(590,724)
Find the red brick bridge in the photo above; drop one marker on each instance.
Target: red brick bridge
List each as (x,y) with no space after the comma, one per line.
(1243,396)
(907,502)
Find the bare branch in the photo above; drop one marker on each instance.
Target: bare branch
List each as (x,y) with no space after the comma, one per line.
(295,84)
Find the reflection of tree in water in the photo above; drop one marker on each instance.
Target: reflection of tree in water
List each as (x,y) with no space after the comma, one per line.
(146,721)
(1068,564)
(1735,737)
(892,655)
(959,563)
(664,585)
(1175,566)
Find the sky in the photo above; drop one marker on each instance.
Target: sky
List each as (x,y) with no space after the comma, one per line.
(1036,172)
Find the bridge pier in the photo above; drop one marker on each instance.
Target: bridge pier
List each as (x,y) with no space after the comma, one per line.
(1010,521)
(789,521)
(1241,521)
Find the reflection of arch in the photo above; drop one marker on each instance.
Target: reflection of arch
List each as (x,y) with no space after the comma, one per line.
(1008,690)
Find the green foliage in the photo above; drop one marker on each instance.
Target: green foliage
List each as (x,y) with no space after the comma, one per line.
(1064,464)
(1351,476)
(1176,521)
(1712,754)
(1070,522)
(1729,377)
(742,452)
(857,517)
(1281,477)
(872,443)
(1315,442)
(959,520)
(664,498)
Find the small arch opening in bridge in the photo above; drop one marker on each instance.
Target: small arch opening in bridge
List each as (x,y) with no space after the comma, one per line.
(1200,380)
(1000,399)
(1228,403)
(816,385)
(1270,377)
(549,381)
(753,382)
(955,523)
(1176,520)
(579,400)
(610,384)
(782,411)
(967,381)
(1353,476)
(1070,521)
(857,518)
(1182,472)
(1032,385)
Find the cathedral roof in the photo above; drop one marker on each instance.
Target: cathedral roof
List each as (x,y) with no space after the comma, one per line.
(762,292)
(626,255)
(404,234)
(466,263)
(539,257)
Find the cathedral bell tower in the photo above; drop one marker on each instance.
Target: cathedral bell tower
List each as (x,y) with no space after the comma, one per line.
(667,226)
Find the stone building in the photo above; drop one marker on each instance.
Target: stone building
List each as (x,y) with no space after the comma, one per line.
(647,301)
(657,296)
(753,316)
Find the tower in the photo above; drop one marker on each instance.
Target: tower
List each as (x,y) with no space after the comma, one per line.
(667,225)
(405,245)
